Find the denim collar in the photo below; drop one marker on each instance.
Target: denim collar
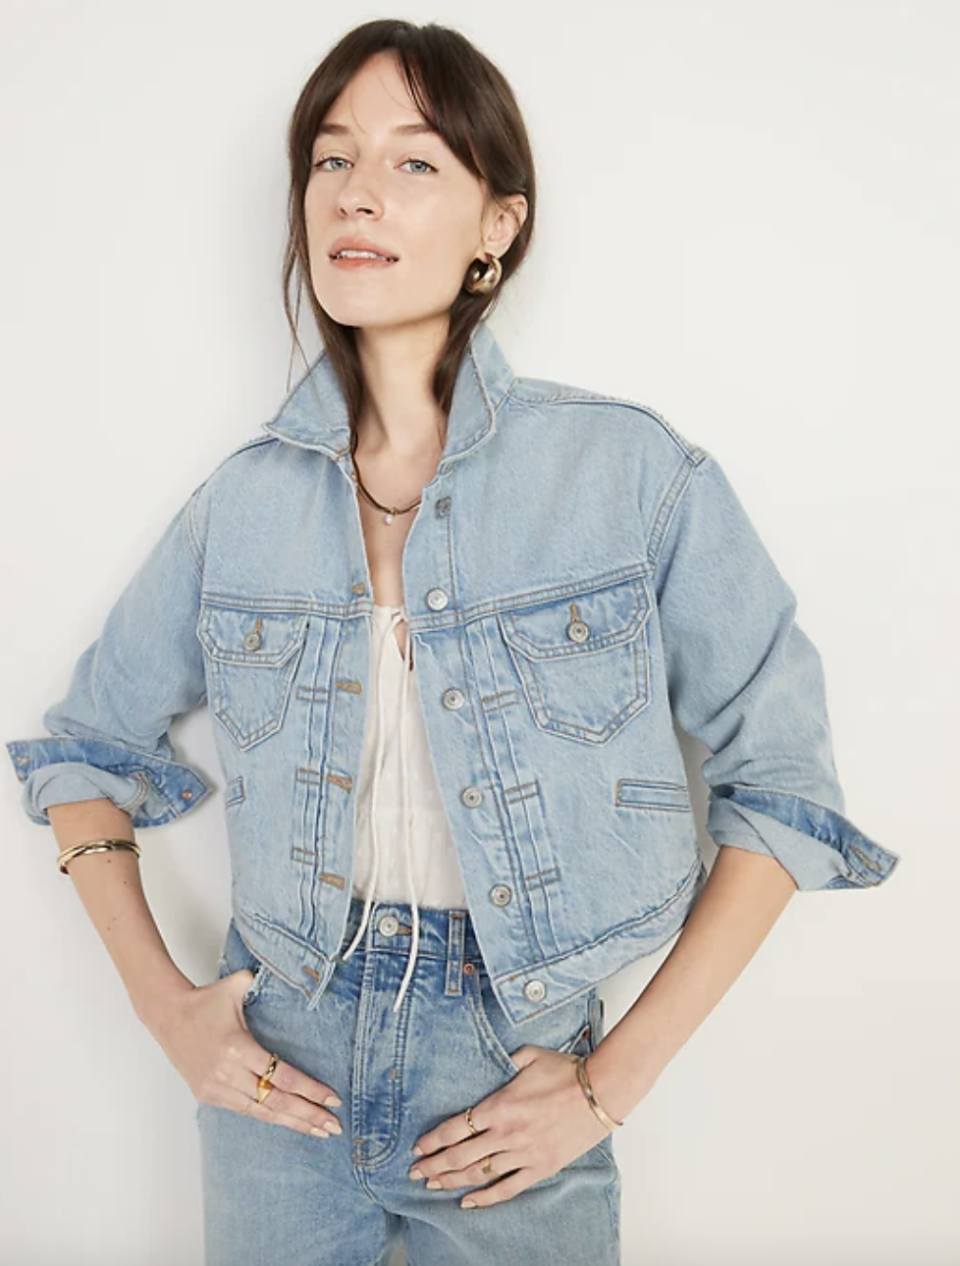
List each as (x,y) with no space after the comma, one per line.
(314,414)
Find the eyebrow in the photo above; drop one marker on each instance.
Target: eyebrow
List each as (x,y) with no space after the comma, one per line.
(403,129)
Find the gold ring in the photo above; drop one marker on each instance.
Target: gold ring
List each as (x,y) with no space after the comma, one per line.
(264,1084)
(469,1116)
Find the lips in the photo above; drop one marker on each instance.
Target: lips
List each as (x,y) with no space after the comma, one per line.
(361,244)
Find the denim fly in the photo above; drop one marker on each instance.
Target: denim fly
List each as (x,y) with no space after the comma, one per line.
(275,1197)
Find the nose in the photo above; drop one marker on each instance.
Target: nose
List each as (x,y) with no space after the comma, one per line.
(358,193)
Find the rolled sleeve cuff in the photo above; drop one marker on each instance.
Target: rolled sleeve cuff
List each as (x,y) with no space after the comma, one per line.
(65,770)
(818,846)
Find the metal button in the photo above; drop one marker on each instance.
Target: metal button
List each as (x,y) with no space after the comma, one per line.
(442,507)
(389,925)
(535,990)
(453,698)
(437,599)
(186,795)
(252,641)
(578,631)
(501,894)
(471,796)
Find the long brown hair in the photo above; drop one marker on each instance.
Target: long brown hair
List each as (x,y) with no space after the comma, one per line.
(461,94)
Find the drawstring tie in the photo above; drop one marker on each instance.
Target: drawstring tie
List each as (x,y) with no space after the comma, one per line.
(395,619)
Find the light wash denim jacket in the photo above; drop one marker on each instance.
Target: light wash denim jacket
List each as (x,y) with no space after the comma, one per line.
(577,575)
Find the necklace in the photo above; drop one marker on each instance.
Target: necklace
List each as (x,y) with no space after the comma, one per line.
(389,512)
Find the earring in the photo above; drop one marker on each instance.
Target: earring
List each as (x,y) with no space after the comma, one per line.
(487,280)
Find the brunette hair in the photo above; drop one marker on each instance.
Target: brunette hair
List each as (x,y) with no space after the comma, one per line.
(464,96)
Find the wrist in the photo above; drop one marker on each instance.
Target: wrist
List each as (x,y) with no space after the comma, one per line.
(155,1003)
(618,1089)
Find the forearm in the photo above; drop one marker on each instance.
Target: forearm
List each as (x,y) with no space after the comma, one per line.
(743,897)
(109,886)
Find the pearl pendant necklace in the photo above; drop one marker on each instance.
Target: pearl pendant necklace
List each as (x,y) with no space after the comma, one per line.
(389,512)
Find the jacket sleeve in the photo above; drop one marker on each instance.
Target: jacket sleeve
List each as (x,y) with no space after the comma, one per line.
(108,736)
(745,679)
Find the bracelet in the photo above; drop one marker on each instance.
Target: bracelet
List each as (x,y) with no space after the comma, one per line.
(592,1099)
(93,846)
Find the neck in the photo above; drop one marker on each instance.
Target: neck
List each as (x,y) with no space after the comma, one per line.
(400,417)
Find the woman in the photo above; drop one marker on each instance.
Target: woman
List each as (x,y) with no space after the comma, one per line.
(444,617)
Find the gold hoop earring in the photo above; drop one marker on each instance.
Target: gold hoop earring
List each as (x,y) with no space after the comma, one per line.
(488,280)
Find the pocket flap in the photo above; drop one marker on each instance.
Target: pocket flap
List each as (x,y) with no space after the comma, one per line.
(239,636)
(580,624)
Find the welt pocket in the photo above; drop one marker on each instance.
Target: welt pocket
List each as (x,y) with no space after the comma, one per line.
(637,793)
(235,791)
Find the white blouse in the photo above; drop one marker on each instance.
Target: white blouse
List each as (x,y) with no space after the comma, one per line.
(403,843)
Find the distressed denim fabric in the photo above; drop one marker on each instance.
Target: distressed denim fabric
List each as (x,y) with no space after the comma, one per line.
(578,575)
(275,1197)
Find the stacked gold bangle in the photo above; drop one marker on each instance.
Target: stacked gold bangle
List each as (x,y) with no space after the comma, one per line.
(592,1099)
(93,846)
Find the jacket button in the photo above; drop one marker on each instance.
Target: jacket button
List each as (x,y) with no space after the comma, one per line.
(535,990)
(442,507)
(251,642)
(501,895)
(471,796)
(453,698)
(437,599)
(389,925)
(578,631)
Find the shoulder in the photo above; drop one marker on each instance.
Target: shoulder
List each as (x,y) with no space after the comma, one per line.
(240,459)
(238,464)
(229,479)
(579,406)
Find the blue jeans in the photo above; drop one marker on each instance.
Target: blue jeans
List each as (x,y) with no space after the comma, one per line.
(275,1197)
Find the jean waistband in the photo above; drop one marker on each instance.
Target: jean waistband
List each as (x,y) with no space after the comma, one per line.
(443,934)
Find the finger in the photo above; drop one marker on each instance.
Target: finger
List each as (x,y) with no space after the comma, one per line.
(288,1111)
(288,1078)
(239,1077)
(471,1174)
(453,1130)
(292,1108)
(504,1189)
(236,1101)
(460,1160)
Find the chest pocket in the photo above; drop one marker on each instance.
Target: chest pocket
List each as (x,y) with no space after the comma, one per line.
(583,660)
(251,658)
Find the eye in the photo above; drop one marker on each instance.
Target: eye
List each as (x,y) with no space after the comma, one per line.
(333,158)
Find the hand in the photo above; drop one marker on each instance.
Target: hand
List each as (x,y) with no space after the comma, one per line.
(530,1128)
(205,1036)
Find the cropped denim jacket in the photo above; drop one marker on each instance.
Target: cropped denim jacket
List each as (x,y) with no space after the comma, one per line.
(578,575)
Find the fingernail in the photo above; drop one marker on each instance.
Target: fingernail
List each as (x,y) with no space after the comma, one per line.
(321,1133)
(418,1151)
(333,1101)
(335,1126)
(468,1204)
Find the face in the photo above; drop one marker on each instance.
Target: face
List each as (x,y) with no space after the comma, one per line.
(379,173)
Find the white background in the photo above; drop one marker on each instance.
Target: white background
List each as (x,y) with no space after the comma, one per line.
(748,221)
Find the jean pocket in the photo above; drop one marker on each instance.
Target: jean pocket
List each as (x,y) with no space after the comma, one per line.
(568,1028)
(236,956)
(583,660)
(252,656)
